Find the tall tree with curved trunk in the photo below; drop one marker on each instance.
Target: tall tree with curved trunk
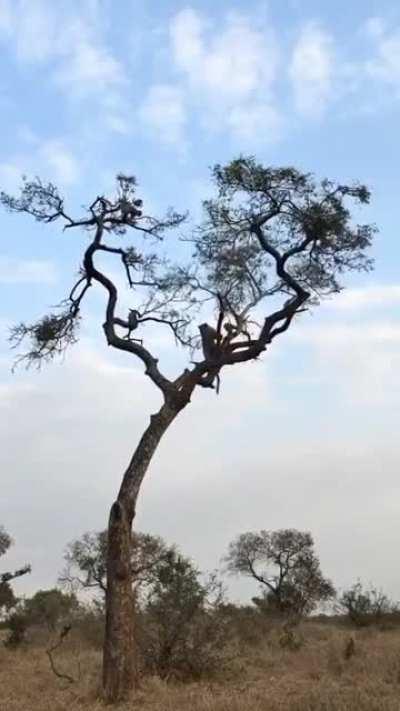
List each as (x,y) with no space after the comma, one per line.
(273,242)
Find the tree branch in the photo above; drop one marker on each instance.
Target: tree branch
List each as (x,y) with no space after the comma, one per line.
(6,577)
(151,367)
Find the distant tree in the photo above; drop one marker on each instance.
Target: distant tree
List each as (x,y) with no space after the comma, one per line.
(272,243)
(365,605)
(5,541)
(7,597)
(285,564)
(17,625)
(51,608)
(86,561)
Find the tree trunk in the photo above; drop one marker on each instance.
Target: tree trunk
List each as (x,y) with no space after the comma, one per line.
(119,660)
(119,664)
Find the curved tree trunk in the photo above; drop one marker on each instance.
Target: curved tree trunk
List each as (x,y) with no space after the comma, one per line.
(119,660)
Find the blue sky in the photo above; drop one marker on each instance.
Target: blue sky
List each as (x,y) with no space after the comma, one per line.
(164,90)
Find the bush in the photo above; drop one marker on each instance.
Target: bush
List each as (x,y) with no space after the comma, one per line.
(181,634)
(51,608)
(366,606)
(17,625)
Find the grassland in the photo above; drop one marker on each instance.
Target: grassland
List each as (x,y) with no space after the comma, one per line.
(262,677)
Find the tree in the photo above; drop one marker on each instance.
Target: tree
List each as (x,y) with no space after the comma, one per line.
(86,561)
(7,597)
(285,564)
(272,239)
(365,606)
(50,607)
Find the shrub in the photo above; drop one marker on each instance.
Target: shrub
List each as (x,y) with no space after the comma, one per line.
(180,633)
(51,608)
(17,625)
(366,606)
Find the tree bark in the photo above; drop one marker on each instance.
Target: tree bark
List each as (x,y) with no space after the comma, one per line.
(119,663)
(119,660)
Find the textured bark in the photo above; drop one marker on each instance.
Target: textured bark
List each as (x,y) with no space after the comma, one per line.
(119,664)
(119,661)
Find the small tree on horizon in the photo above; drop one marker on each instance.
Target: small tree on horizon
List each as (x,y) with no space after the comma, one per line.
(365,605)
(273,242)
(286,566)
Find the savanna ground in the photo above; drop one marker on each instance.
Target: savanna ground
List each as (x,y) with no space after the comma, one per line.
(259,677)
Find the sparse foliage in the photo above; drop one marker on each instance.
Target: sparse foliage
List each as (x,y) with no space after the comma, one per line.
(268,232)
(285,564)
(86,561)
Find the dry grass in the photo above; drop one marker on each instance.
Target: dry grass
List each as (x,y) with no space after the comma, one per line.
(264,678)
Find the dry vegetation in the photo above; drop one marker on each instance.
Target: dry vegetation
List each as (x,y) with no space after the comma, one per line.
(261,677)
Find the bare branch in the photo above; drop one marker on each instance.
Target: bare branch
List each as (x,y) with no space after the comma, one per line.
(50,651)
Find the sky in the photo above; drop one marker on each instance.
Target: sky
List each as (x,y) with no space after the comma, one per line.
(307,437)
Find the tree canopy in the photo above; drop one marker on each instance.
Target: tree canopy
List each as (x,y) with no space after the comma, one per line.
(285,564)
(269,236)
(86,559)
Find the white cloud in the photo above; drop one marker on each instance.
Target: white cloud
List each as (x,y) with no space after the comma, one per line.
(368,297)
(359,360)
(311,70)
(30,271)
(36,30)
(385,65)
(13,393)
(70,40)
(232,63)
(227,74)
(62,164)
(186,31)
(164,113)
(257,123)
(10,177)
(52,159)
(90,68)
